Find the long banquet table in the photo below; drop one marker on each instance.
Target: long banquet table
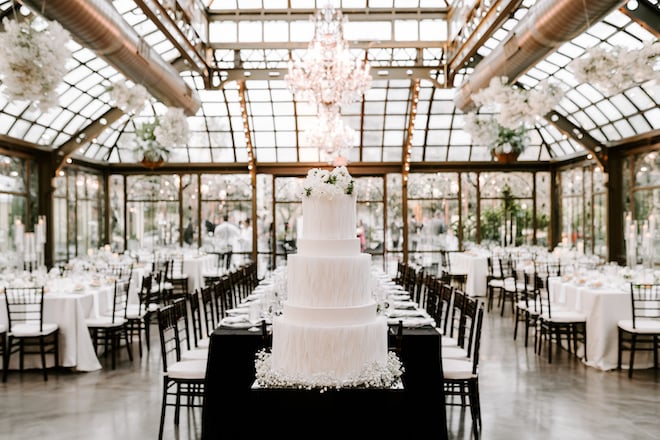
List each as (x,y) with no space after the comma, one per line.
(231,406)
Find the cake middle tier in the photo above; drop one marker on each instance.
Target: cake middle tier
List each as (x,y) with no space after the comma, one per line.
(330,316)
(329,248)
(329,281)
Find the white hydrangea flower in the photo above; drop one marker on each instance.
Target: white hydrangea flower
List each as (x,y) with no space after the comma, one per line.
(328,184)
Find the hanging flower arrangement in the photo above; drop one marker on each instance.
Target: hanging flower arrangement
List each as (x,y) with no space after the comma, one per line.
(485,130)
(155,138)
(515,111)
(130,99)
(33,57)
(615,69)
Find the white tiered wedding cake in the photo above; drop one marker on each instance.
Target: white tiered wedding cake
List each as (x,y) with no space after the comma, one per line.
(330,333)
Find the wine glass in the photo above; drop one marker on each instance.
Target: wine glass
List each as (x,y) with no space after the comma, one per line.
(254,315)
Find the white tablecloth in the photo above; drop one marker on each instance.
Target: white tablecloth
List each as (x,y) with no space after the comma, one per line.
(604,307)
(475,265)
(68,311)
(195,267)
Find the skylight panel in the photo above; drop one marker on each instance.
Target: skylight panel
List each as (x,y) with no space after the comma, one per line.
(639,124)
(611,134)
(624,127)
(653,116)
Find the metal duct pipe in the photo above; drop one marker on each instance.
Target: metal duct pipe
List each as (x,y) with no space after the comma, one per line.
(546,26)
(97,25)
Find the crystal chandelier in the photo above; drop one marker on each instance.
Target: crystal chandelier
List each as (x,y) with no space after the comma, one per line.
(328,74)
(329,77)
(329,134)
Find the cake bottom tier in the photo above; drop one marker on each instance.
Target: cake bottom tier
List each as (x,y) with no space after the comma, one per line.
(328,356)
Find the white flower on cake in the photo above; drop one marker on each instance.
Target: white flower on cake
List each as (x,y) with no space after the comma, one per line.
(371,376)
(328,184)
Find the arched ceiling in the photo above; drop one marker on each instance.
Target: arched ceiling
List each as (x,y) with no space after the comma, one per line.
(251,41)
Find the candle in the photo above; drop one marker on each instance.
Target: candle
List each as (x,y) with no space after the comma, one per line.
(19,231)
(40,230)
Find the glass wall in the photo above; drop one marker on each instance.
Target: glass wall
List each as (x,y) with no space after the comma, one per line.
(507,209)
(542,193)
(226,212)
(78,213)
(18,212)
(117,212)
(599,216)
(287,214)
(446,210)
(433,216)
(152,207)
(265,226)
(370,217)
(190,225)
(583,201)
(394,226)
(572,208)
(645,206)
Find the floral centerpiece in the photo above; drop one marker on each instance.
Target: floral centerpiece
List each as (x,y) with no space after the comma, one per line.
(155,138)
(515,110)
(616,68)
(328,184)
(33,57)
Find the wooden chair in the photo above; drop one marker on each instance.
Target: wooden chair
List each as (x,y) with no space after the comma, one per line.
(527,308)
(461,377)
(449,275)
(642,332)
(446,310)
(188,351)
(111,327)
(513,285)
(27,333)
(208,309)
(141,316)
(395,341)
(562,325)
(494,280)
(197,325)
(160,270)
(183,381)
(3,344)
(176,277)
(466,331)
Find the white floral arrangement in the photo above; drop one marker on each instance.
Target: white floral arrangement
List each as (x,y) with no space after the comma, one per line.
(485,130)
(515,110)
(33,58)
(130,99)
(372,376)
(173,129)
(328,184)
(155,138)
(616,68)
(514,105)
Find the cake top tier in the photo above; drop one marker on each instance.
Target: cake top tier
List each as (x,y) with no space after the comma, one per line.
(325,184)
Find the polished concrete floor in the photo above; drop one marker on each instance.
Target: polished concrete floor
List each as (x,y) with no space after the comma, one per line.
(522,397)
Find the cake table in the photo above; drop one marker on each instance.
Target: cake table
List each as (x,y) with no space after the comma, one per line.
(233,407)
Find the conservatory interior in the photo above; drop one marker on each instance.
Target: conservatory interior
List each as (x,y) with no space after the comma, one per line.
(135,129)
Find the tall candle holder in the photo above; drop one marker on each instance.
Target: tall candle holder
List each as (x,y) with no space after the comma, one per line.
(630,237)
(648,242)
(40,239)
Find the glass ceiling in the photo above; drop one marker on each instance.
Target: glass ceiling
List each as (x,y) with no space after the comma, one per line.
(398,38)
